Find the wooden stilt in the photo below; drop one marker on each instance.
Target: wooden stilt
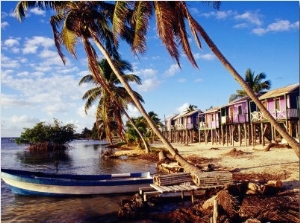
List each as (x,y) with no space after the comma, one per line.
(240,134)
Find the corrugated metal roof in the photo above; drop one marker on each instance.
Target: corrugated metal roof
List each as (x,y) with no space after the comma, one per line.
(279,91)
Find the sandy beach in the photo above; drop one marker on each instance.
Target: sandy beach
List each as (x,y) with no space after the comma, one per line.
(250,159)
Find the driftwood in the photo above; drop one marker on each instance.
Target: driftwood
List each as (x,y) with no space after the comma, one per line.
(277,145)
(165,164)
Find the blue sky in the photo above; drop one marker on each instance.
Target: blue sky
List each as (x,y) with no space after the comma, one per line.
(36,86)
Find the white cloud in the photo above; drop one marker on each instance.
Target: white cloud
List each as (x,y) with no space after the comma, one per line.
(207,56)
(31,45)
(148,84)
(37,11)
(133,112)
(4,25)
(183,107)
(252,17)
(198,80)
(11,42)
(147,72)
(11,101)
(240,26)
(278,26)
(174,68)
(219,14)
(181,80)
(24,119)
(7,62)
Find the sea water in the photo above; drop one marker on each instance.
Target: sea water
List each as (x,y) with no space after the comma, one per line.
(83,157)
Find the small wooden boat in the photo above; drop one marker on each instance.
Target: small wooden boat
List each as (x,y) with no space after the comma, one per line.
(46,184)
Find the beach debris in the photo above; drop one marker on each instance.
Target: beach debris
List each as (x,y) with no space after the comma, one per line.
(236,152)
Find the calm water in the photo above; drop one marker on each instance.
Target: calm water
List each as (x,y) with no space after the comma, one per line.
(82,158)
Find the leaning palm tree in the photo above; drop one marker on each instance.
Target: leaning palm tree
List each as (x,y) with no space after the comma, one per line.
(85,20)
(90,20)
(108,114)
(170,20)
(255,82)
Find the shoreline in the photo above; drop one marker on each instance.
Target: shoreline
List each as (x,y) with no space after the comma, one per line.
(247,159)
(253,159)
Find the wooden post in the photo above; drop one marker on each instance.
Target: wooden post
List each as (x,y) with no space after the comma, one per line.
(240,134)
(227,134)
(232,134)
(215,214)
(245,132)
(253,134)
(263,133)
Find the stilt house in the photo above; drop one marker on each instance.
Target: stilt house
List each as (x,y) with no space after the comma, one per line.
(186,126)
(283,105)
(209,124)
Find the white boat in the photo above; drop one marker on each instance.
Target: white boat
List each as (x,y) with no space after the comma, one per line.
(36,183)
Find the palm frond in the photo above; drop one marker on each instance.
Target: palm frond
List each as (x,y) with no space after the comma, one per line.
(165,21)
(69,39)
(140,19)
(87,79)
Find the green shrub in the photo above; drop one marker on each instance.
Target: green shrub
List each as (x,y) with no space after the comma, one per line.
(47,136)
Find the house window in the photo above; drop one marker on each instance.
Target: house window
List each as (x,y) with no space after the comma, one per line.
(240,110)
(277,104)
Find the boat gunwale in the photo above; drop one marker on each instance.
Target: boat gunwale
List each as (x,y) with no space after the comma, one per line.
(76,180)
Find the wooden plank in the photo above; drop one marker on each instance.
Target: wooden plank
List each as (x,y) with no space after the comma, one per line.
(144,189)
(150,193)
(158,188)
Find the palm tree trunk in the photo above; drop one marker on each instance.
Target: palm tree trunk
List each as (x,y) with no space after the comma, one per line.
(291,141)
(147,149)
(186,165)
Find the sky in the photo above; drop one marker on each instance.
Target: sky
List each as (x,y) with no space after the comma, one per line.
(37,87)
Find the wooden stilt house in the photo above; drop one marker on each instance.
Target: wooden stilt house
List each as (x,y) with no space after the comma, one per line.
(235,121)
(186,126)
(209,126)
(169,128)
(283,105)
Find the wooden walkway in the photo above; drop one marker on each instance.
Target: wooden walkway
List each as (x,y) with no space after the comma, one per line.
(185,182)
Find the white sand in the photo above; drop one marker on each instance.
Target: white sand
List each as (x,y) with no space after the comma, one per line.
(255,160)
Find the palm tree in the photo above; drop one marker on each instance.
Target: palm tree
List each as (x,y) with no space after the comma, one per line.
(132,135)
(157,122)
(170,20)
(191,108)
(130,20)
(90,20)
(108,115)
(256,83)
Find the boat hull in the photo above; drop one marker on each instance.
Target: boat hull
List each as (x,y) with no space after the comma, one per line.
(35,183)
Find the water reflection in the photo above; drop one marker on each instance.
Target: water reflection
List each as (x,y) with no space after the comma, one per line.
(44,159)
(83,157)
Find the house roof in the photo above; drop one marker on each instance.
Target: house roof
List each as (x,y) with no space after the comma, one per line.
(279,91)
(192,112)
(171,117)
(180,115)
(212,110)
(186,113)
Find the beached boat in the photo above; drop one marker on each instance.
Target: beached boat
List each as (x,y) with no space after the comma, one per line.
(46,184)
